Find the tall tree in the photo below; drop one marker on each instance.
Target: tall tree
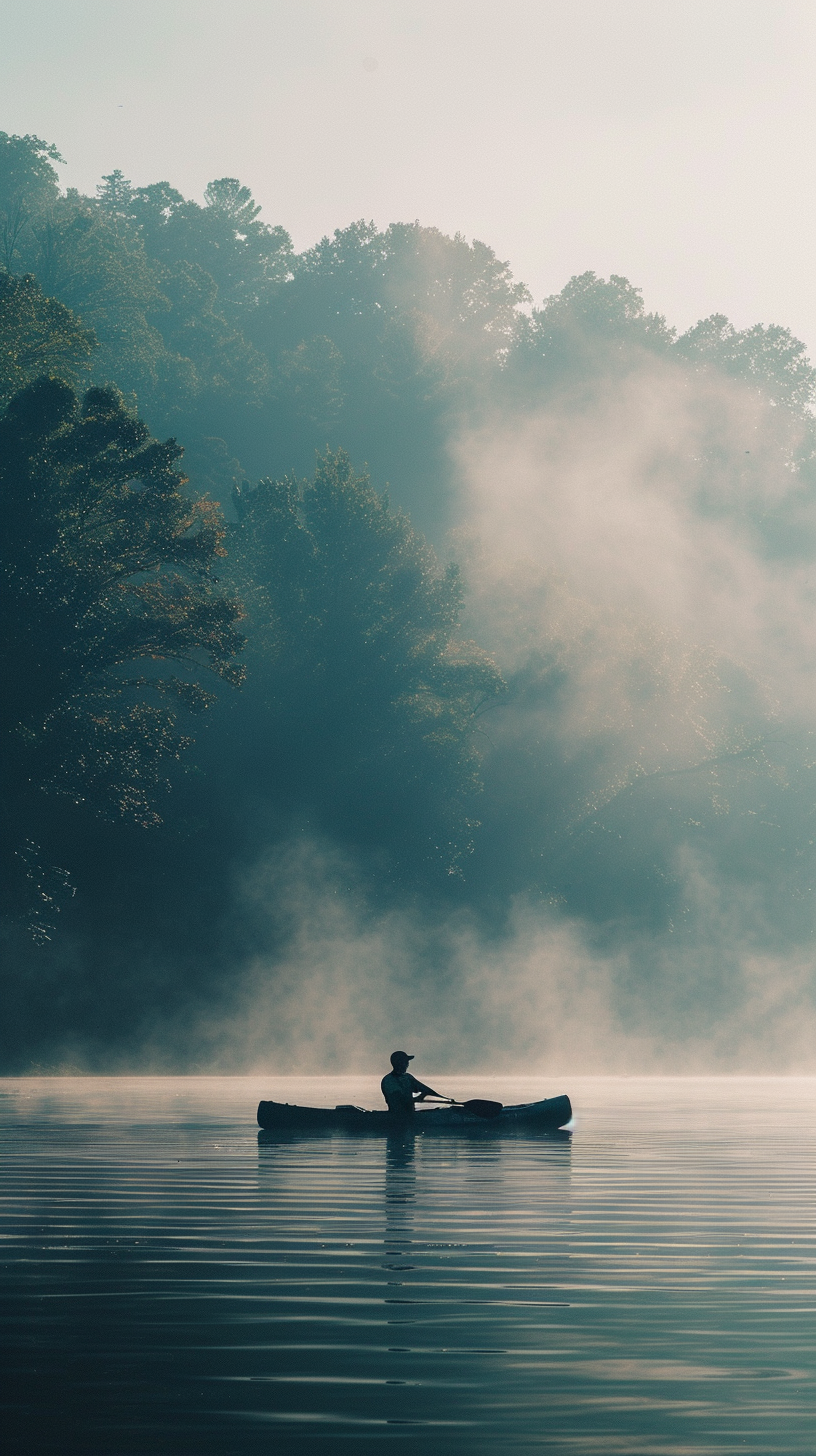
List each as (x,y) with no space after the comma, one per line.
(28,185)
(247,258)
(108,580)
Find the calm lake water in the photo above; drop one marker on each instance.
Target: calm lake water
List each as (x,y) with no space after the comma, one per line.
(174,1287)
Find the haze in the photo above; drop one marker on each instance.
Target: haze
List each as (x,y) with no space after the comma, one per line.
(409,626)
(672,144)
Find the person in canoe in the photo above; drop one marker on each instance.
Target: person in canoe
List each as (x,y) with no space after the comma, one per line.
(400,1089)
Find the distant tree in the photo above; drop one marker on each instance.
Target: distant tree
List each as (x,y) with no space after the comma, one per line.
(198,261)
(228,197)
(593,327)
(150,209)
(377,341)
(28,185)
(364,701)
(86,257)
(108,579)
(307,384)
(38,335)
(459,301)
(768,357)
(246,258)
(467,294)
(86,254)
(115,195)
(228,373)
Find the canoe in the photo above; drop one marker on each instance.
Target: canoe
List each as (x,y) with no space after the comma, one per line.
(546,1116)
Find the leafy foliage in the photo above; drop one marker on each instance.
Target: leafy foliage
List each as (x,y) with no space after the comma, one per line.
(769,358)
(360,714)
(107,579)
(590,329)
(28,185)
(369,700)
(38,336)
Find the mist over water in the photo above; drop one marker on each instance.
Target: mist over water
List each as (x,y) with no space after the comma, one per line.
(655,748)
(633,564)
(541,995)
(653,753)
(558,810)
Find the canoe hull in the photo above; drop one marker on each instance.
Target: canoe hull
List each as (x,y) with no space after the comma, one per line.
(546,1116)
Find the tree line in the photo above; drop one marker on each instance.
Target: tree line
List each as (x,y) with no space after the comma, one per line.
(208,637)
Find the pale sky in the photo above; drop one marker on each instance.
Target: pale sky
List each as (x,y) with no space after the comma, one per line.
(672,141)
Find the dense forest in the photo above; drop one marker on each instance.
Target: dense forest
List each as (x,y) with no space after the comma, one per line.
(357,568)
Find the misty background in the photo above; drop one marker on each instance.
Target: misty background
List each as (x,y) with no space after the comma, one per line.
(461,689)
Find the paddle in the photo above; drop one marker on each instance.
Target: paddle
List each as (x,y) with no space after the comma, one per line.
(477,1106)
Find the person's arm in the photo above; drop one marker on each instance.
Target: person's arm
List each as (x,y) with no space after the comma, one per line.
(423,1090)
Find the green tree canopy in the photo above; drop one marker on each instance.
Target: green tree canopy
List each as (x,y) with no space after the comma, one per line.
(161,334)
(768,357)
(108,579)
(28,185)
(591,328)
(368,700)
(246,257)
(38,335)
(377,340)
(458,301)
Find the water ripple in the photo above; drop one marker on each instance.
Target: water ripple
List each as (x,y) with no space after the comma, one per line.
(174,1286)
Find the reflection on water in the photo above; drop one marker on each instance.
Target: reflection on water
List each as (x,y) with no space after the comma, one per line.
(175,1286)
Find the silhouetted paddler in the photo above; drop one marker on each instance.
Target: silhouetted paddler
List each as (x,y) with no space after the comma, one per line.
(400,1089)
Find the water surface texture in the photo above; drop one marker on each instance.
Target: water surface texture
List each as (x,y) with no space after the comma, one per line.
(172,1286)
